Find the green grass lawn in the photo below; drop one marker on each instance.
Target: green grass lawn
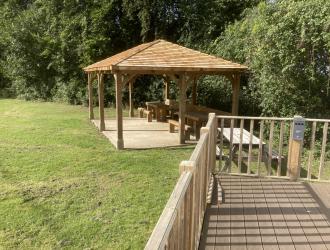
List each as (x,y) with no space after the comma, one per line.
(63,185)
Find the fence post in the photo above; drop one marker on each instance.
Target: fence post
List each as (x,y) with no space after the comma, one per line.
(295,149)
(191,241)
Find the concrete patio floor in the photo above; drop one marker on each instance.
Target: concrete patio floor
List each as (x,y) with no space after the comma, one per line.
(140,134)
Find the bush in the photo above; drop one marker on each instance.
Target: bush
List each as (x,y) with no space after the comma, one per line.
(286,45)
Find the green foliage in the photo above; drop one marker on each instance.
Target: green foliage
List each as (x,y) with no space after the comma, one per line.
(46,43)
(286,44)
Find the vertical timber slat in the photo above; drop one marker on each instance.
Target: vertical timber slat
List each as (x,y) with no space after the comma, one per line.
(250,146)
(324,144)
(311,152)
(280,149)
(240,147)
(270,148)
(222,124)
(261,146)
(231,144)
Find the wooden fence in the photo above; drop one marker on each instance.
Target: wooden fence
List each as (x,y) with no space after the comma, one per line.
(263,146)
(180,224)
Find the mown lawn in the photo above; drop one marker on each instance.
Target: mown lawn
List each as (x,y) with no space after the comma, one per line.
(63,185)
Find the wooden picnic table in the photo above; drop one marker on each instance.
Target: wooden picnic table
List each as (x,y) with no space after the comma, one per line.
(237,140)
(197,119)
(236,136)
(159,110)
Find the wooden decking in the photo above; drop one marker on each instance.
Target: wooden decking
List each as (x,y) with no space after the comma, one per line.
(260,213)
(140,134)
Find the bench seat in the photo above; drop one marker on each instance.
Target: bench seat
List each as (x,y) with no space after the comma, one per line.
(175,124)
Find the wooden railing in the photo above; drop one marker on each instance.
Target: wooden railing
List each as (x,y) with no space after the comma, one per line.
(275,153)
(180,224)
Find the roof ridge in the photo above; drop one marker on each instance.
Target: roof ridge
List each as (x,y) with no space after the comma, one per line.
(133,54)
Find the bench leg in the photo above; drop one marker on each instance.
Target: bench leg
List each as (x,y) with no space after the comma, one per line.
(187,134)
(141,113)
(171,128)
(149,117)
(197,131)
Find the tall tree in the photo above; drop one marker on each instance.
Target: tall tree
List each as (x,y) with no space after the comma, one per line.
(286,44)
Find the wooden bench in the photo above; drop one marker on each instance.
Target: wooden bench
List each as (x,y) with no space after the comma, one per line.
(275,155)
(143,111)
(149,114)
(175,124)
(140,112)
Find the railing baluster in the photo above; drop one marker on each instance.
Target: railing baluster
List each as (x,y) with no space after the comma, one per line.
(324,144)
(231,145)
(280,149)
(240,146)
(261,146)
(250,147)
(311,152)
(290,136)
(270,148)
(221,143)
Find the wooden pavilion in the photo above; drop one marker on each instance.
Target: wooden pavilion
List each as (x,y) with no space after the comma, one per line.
(177,63)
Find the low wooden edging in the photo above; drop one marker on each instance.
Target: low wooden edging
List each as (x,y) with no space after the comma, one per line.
(180,224)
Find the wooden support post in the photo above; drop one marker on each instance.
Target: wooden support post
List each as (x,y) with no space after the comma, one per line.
(167,89)
(295,150)
(131,106)
(294,161)
(90,97)
(101,100)
(235,97)
(194,91)
(182,108)
(119,111)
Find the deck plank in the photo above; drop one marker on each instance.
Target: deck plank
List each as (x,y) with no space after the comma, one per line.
(263,213)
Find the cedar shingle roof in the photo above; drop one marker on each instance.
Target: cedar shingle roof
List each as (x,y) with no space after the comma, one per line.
(163,56)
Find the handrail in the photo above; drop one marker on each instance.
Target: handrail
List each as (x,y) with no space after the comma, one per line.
(269,118)
(171,213)
(282,155)
(180,224)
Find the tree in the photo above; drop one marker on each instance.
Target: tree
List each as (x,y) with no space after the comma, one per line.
(286,45)
(46,43)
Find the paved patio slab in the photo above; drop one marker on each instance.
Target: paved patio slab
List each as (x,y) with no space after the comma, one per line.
(140,134)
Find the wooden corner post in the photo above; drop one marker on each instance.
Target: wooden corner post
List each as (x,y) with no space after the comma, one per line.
(90,96)
(235,98)
(194,91)
(101,100)
(119,110)
(192,239)
(131,106)
(182,108)
(295,147)
(166,88)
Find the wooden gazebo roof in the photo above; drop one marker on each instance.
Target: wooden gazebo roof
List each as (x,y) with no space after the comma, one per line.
(164,56)
(177,63)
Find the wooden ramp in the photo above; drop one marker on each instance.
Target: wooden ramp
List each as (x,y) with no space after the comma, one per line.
(261,213)
(140,134)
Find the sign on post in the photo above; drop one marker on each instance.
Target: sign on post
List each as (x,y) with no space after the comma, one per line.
(298,128)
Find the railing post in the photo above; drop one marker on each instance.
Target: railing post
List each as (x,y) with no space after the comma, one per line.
(192,239)
(295,150)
